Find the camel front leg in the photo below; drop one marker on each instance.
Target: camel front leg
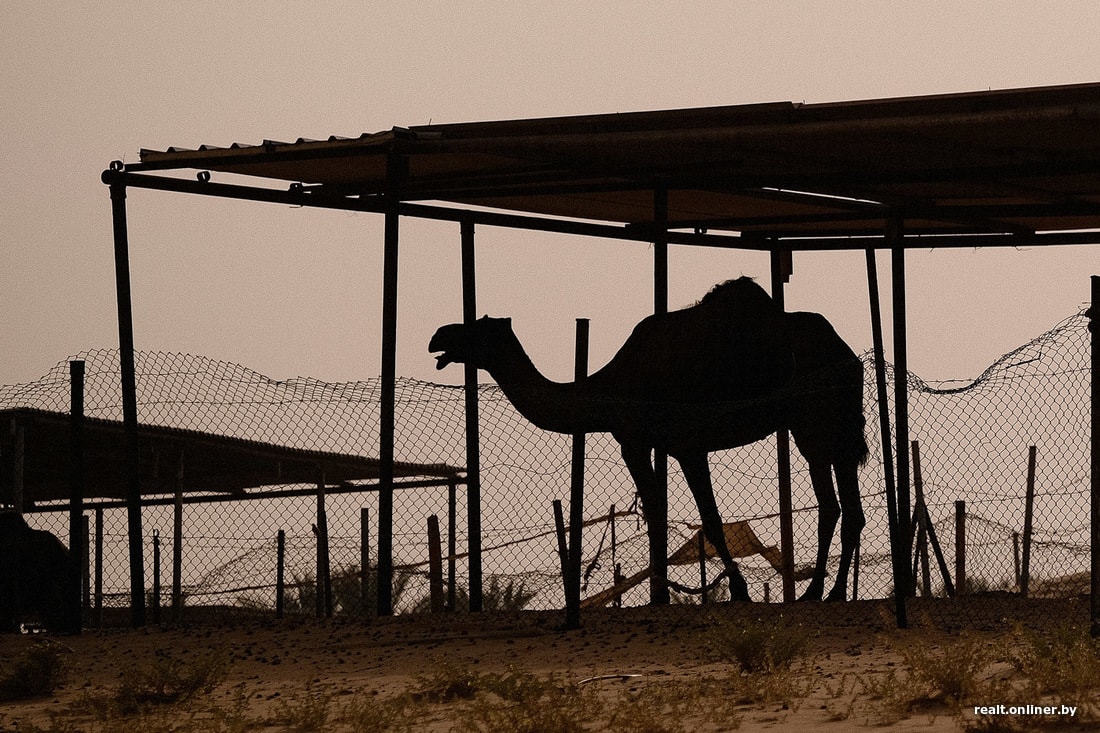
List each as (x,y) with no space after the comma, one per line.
(655,507)
(697,472)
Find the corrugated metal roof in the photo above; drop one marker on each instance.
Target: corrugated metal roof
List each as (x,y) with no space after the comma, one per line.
(996,161)
(213,463)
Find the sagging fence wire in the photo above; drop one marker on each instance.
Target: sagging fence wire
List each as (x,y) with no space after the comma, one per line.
(974,439)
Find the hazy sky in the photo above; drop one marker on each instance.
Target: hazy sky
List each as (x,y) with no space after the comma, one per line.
(292,292)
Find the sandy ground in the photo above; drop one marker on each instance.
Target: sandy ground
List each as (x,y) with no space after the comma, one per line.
(276,663)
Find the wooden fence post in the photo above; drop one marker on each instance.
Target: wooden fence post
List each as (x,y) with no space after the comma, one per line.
(364,561)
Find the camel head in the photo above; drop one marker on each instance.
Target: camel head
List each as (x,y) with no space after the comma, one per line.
(472,343)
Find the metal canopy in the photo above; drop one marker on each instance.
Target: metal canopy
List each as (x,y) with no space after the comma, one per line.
(997,162)
(210,463)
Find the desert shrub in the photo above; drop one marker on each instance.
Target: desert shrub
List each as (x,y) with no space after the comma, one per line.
(953,673)
(36,672)
(169,680)
(758,646)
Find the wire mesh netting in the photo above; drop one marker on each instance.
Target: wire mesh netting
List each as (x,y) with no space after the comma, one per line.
(974,441)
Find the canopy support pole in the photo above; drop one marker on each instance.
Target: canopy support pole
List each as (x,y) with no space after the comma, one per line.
(658,585)
(783,455)
(473,445)
(894,233)
(386,431)
(129,393)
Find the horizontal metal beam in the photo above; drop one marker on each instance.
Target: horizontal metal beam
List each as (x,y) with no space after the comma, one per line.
(343,488)
(300,196)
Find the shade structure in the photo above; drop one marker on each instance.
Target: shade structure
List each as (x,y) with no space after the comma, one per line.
(993,162)
(170,457)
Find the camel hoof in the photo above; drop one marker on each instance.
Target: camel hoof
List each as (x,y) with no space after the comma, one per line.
(813,593)
(837,595)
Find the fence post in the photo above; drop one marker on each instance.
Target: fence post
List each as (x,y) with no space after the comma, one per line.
(702,567)
(563,547)
(576,493)
(73,608)
(156,577)
(86,569)
(324,577)
(1029,503)
(280,574)
(473,446)
(364,560)
(452,511)
(1094,508)
(99,568)
(435,565)
(177,543)
(960,548)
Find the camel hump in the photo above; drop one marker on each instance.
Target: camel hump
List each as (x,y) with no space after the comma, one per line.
(741,296)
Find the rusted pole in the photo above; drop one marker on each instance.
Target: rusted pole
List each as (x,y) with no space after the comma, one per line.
(73,607)
(783,459)
(473,444)
(129,394)
(1029,504)
(576,492)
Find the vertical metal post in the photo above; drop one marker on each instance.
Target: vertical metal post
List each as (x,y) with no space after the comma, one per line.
(452,506)
(783,457)
(394,174)
(576,492)
(1094,327)
(884,432)
(73,606)
(280,573)
(960,548)
(156,576)
(177,543)
(473,443)
(658,584)
(435,565)
(902,584)
(129,397)
(324,575)
(1029,506)
(364,559)
(98,568)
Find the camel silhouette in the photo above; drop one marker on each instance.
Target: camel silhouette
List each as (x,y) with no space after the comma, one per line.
(725,372)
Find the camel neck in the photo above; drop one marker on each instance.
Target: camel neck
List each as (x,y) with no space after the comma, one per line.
(560,407)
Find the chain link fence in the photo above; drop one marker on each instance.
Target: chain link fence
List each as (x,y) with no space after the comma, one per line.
(974,442)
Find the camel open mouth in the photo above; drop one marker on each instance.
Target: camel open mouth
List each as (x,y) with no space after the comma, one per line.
(443,360)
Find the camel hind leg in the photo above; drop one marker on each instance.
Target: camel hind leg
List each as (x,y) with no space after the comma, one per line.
(828,513)
(697,472)
(655,507)
(851,524)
